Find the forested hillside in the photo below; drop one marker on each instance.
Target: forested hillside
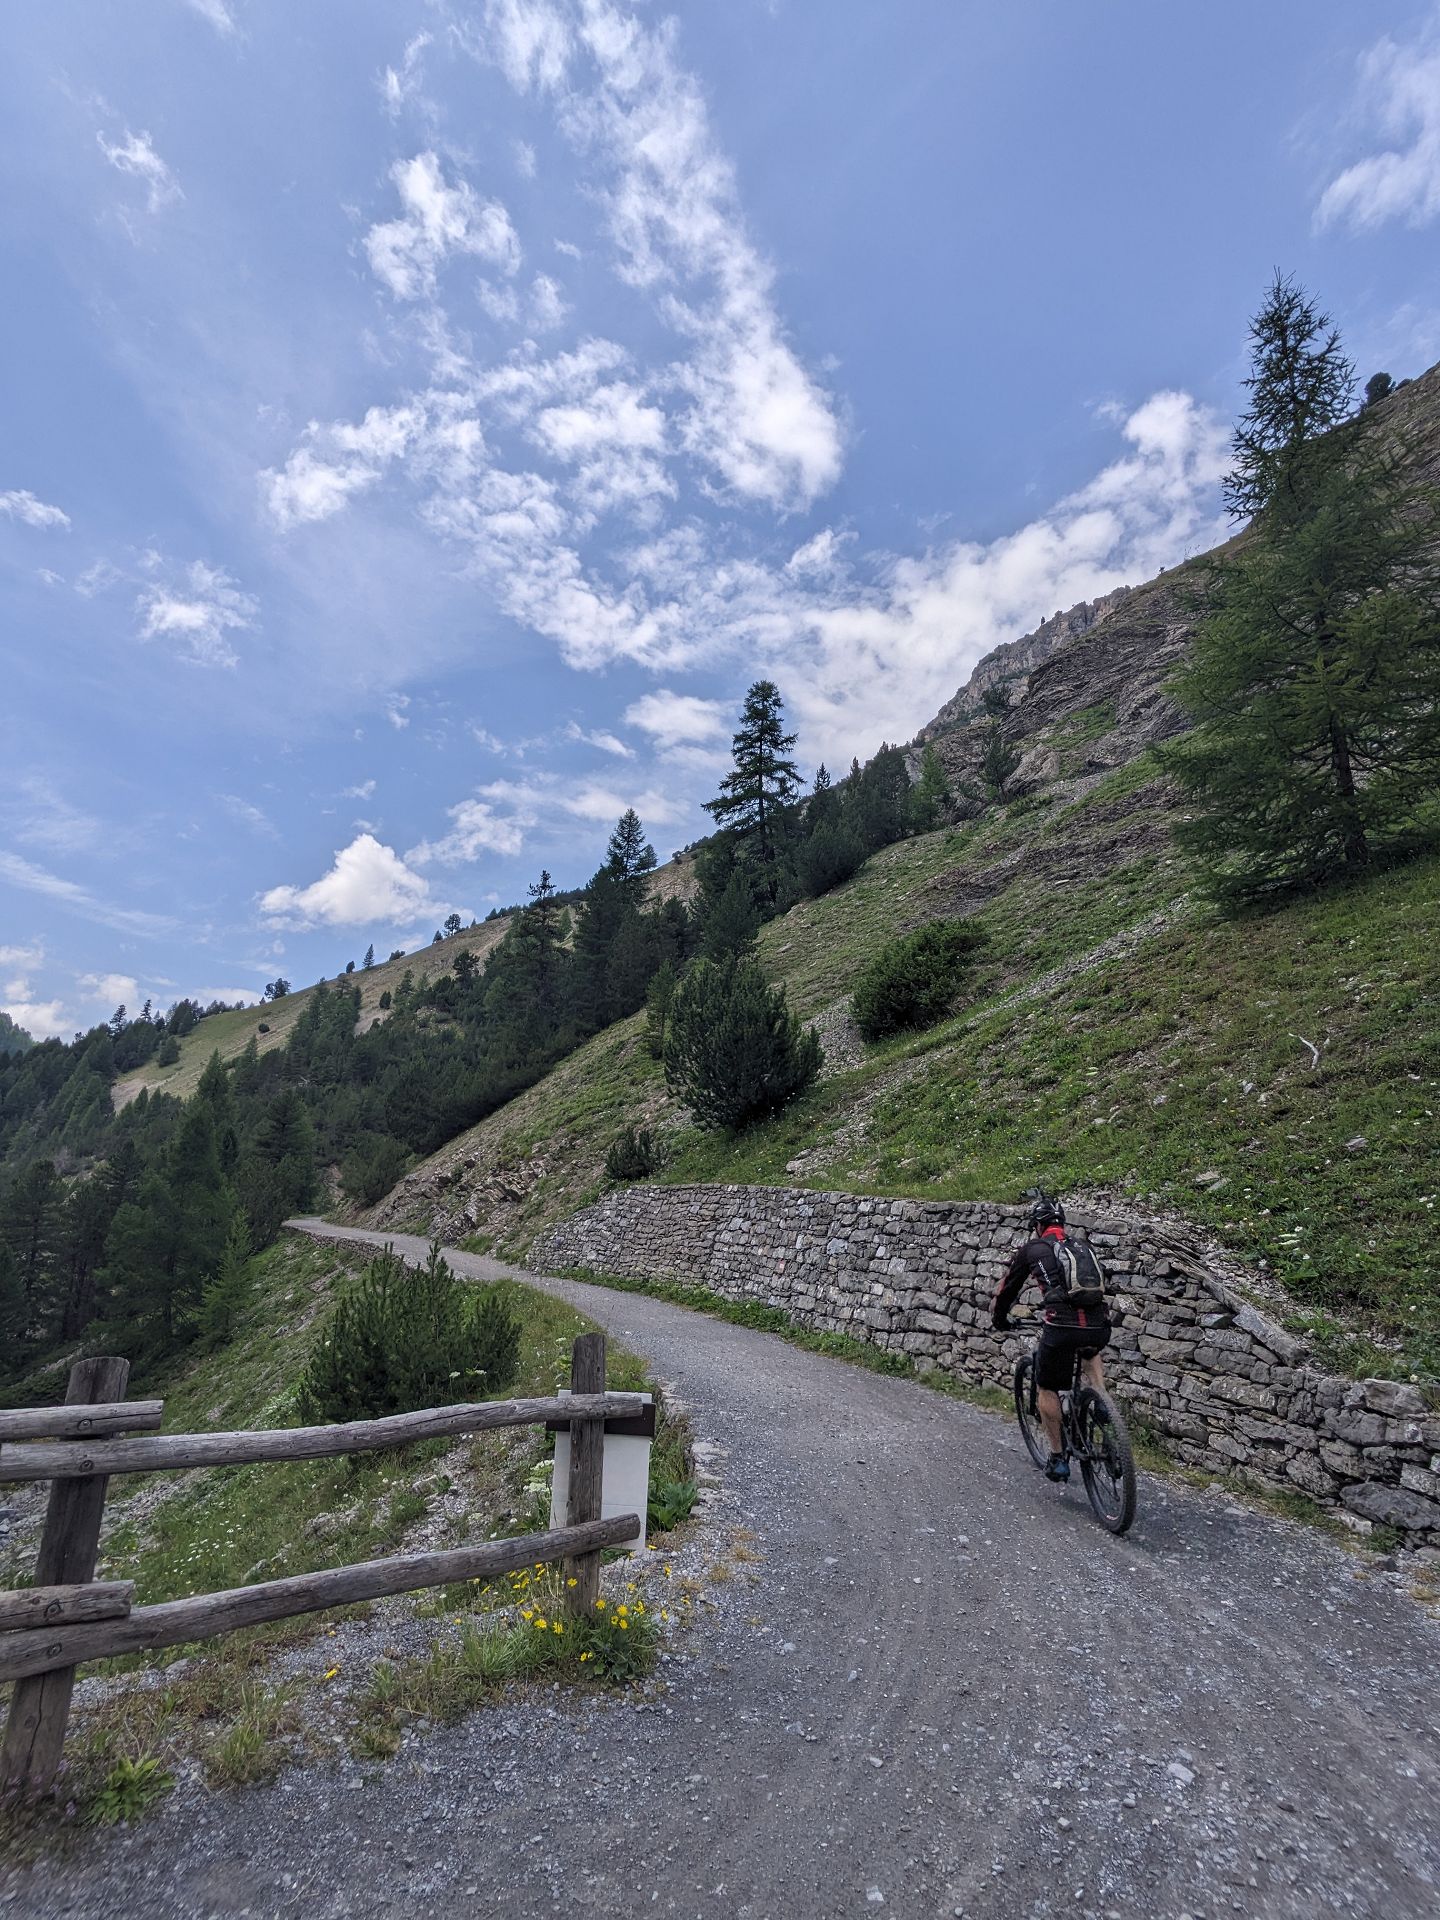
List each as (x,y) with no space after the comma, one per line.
(1057,977)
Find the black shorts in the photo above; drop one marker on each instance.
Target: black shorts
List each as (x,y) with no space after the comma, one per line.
(1055,1355)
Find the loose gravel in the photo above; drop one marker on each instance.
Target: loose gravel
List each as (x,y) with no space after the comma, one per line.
(940,1689)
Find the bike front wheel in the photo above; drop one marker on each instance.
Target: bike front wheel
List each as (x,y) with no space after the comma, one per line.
(1031,1431)
(1107,1463)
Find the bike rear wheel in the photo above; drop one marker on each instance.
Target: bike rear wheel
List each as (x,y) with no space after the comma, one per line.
(1031,1431)
(1107,1463)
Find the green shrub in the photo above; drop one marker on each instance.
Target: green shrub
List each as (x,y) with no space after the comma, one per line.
(634,1155)
(169,1051)
(734,1052)
(402,1339)
(831,855)
(371,1168)
(912,981)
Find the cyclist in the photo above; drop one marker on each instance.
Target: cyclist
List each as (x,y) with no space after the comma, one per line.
(1067,1328)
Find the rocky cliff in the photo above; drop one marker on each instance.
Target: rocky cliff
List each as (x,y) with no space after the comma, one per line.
(1088,687)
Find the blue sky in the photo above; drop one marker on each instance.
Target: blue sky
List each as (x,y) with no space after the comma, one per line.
(420,421)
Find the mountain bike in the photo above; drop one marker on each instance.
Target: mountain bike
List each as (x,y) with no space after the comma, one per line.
(1092,1432)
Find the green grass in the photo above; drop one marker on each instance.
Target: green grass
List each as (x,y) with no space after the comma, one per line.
(1131,1076)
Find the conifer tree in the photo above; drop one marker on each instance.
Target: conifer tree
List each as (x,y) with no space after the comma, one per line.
(734,1052)
(657,1007)
(930,795)
(1301,385)
(369,959)
(228,1293)
(730,926)
(1314,682)
(763,783)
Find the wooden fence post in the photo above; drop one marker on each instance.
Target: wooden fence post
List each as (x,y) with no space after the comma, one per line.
(40,1706)
(587,1467)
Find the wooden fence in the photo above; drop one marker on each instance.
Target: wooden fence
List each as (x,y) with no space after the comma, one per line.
(68,1616)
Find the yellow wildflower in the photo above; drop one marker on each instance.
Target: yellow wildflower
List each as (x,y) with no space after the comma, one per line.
(602,1603)
(572,1582)
(558,1628)
(330,1673)
(541,1623)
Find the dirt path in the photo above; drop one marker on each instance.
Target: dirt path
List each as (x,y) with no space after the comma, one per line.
(950,1694)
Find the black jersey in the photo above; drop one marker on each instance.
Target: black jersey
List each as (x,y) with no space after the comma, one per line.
(1036,1261)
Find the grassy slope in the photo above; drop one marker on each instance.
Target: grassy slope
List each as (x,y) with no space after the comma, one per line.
(1177,1058)
(231,1033)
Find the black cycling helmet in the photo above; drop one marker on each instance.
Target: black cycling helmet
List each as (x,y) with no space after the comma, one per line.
(1046,1213)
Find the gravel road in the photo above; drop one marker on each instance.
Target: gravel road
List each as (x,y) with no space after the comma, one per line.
(951,1693)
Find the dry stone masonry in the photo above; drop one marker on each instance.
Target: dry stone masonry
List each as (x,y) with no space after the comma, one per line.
(1229,1389)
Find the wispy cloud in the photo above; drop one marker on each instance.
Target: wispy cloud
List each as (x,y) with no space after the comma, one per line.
(677,719)
(135,155)
(216,12)
(757,418)
(196,607)
(367,884)
(1399,101)
(400,85)
(20,504)
(21,873)
(110,989)
(438,220)
(598,737)
(248,814)
(39,815)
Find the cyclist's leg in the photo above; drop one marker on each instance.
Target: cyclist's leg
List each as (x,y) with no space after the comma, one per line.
(1094,1372)
(1048,1405)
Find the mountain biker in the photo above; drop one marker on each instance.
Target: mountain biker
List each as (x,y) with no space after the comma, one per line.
(1067,1328)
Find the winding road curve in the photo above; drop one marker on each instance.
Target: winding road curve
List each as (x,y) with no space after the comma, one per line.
(951,1694)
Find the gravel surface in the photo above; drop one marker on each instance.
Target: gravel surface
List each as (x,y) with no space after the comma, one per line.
(949,1693)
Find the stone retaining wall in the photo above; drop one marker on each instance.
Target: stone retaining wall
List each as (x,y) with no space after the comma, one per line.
(1229,1389)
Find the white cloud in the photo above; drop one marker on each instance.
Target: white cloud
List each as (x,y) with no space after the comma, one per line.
(607,742)
(1399,97)
(21,504)
(524,159)
(339,460)
(675,719)
(362,792)
(198,608)
(41,1019)
(23,957)
(615,441)
(548,305)
(501,815)
(531,41)
(438,221)
(368,883)
(756,419)
(477,826)
(395,713)
(111,989)
(397,86)
(136,156)
(216,12)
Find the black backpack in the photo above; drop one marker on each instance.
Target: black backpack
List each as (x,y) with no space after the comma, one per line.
(1080,1278)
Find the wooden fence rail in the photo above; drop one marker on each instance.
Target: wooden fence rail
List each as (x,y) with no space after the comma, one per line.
(68,1616)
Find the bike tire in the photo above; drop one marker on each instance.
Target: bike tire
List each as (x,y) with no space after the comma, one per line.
(1107,1461)
(1031,1431)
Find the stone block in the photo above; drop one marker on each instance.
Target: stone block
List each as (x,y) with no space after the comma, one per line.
(1244,1393)
(1393,1507)
(1309,1475)
(1396,1398)
(1421,1480)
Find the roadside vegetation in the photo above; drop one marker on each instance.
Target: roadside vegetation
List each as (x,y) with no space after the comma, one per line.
(244,1706)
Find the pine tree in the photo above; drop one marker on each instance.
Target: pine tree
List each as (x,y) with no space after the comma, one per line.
(1301,385)
(657,1007)
(730,926)
(734,1052)
(226,1296)
(629,856)
(930,795)
(1314,682)
(763,783)
(31,1228)
(369,959)
(999,761)
(1314,685)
